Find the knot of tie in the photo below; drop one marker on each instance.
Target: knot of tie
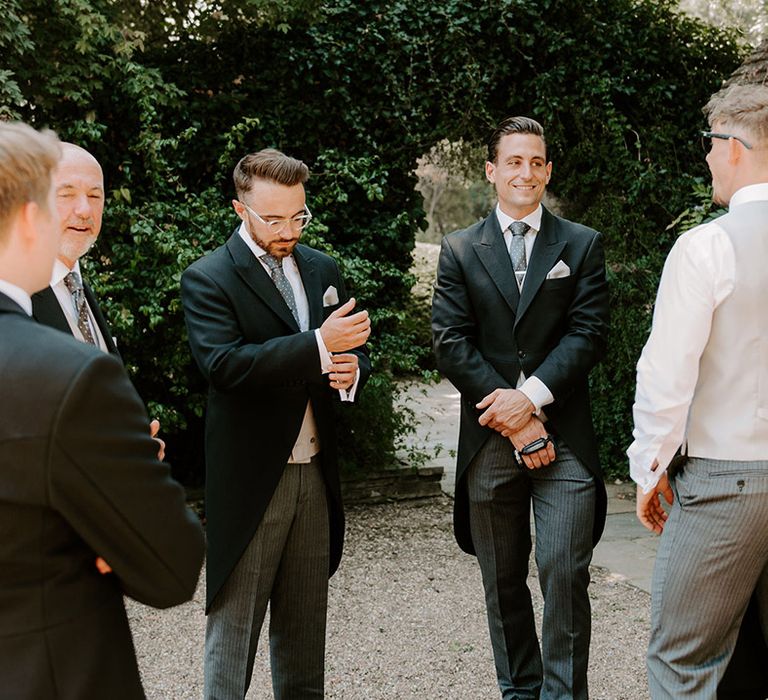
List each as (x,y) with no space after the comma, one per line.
(273,262)
(73,282)
(519,228)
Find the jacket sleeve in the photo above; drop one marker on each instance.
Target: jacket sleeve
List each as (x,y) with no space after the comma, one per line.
(231,362)
(454,332)
(104,478)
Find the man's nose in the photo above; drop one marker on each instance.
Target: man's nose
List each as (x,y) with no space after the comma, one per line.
(83,207)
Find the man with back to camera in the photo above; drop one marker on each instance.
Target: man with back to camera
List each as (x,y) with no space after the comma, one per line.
(519,318)
(79,476)
(702,383)
(275,336)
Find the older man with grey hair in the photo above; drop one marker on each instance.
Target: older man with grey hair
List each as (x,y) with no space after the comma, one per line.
(702,386)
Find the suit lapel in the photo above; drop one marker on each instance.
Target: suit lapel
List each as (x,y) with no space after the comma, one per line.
(494,256)
(254,275)
(546,250)
(47,310)
(313,286)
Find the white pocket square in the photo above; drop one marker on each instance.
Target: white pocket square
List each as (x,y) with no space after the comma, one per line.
(559,270)
(331,296)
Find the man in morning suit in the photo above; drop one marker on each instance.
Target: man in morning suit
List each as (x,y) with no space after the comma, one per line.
(519,318)
(271,328)
(79,476)
(68,303)
(702,385)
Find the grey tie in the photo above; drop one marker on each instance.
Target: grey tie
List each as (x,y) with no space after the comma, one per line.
(275,266)
(75,286)
(518,230)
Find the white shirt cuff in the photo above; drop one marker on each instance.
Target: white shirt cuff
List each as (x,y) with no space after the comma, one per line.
(349,394)
(326,361)
(537,392)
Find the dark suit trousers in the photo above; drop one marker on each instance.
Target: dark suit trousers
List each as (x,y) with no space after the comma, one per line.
(285,565)
(563,497)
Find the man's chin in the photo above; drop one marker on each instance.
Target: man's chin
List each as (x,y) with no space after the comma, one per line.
(281,251)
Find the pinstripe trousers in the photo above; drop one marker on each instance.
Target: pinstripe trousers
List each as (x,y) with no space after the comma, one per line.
(285,565)
(713,554)
(563,499)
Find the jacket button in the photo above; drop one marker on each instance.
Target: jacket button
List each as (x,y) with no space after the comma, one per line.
(521,354)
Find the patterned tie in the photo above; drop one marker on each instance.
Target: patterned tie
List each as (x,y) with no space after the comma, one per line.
(518,230)
(75,286)
(275,266)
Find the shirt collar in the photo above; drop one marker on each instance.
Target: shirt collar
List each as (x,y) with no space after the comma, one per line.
(60,271)
(749,193)
(533,219)
(18,295)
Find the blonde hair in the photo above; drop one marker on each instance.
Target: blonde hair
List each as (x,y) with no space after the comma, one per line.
(744,106)
(271,165)
(27,159)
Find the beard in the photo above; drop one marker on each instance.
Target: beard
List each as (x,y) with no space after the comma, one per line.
(279,247)
(74,246)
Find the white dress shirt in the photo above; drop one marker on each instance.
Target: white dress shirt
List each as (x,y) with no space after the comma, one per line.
(698,276)
(64,296)
(537,392)
(308,443)
(18,295)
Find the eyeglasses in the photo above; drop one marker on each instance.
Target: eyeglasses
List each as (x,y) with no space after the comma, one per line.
(277,226)
(707,136)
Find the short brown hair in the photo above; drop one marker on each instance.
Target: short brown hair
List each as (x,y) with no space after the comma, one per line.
(27,158)
(513,125)
(744,106)
(268,164)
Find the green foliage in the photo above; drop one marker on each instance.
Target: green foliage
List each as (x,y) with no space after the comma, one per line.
(168,95)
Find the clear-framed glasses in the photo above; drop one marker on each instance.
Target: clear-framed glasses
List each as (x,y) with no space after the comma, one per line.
(707,136)
(277,226)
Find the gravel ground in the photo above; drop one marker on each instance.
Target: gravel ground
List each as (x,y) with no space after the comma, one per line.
(406,621)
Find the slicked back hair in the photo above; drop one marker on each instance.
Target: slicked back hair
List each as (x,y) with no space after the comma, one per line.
(27,159)
(744,106)
(513,125)
(271,165)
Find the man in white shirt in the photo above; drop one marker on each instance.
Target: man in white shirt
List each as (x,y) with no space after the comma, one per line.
(274,334)
(702,383)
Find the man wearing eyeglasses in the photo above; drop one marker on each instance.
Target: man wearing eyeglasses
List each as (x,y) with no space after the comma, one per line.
(702,384)
(277,338)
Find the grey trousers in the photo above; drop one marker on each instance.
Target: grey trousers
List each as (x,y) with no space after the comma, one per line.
(285,565)
(563,499)
(713,554)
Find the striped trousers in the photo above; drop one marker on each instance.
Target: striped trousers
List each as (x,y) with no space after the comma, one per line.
(713,554)
(286,566)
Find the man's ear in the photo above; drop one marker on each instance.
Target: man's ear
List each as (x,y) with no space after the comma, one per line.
(490,172)
(735,151)
(239,208)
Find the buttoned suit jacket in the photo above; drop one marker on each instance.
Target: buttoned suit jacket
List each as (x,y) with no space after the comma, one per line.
(486,332)
(261,371)
(47,310)
(79,478)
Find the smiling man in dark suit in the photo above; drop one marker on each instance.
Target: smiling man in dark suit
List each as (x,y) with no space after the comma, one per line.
(79,475)
(273,332)
(519,318)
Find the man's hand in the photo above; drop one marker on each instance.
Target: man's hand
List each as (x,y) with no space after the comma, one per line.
(154,429)
(507,409)
(341,332)
(343,371)
(650,512)
(103,567)
(533,430)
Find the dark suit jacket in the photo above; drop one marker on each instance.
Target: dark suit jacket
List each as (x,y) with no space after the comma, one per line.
(47,310)
(485,332)
(79,478)
(261,372)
